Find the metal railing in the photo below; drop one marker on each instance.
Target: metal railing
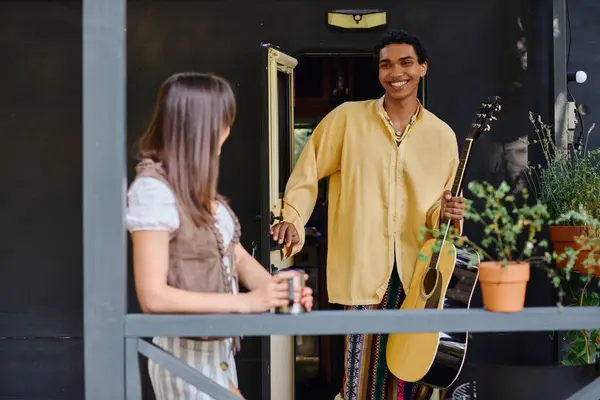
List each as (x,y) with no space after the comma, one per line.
(113,338)
(336,323)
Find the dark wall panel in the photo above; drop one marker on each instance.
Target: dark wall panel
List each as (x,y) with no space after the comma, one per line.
(44,369)
(40,205)
(40,169)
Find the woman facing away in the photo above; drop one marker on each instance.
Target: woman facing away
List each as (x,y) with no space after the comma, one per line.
(187,254)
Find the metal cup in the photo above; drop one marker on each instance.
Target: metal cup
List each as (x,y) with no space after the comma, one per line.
(296,283)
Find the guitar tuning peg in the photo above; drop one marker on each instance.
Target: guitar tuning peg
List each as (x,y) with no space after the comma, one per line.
(493,118)
(487,127)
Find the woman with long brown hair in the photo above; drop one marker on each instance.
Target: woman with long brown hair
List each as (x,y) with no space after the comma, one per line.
(186,252)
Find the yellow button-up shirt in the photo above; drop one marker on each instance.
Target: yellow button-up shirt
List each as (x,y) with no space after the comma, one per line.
(380,194)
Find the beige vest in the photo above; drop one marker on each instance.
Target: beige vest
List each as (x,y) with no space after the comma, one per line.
(196,254)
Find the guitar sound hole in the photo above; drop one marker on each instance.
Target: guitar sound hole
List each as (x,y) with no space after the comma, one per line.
(430,281)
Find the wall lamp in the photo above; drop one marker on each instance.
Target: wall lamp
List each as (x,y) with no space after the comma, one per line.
(579,76)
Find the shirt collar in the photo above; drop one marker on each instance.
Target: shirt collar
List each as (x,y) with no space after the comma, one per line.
(416,116)
(398,136)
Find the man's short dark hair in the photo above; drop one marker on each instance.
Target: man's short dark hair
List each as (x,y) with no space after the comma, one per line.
(401,37)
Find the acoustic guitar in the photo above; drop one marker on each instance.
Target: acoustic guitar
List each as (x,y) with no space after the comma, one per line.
(445,280)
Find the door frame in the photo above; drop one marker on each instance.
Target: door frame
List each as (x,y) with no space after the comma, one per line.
(274,60)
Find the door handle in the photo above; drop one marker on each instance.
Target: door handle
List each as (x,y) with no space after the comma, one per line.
(255,245)
(273,218)
(273,245)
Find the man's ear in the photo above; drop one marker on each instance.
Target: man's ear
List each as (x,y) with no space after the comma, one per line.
(423,69)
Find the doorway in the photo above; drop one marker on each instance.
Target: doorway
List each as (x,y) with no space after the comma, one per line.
(323,81)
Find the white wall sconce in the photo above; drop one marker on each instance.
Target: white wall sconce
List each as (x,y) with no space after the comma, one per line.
(579,76)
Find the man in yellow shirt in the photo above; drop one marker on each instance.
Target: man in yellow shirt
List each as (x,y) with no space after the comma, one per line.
(391,164)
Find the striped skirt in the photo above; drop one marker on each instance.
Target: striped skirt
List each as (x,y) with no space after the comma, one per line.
(366,375)
(205,356)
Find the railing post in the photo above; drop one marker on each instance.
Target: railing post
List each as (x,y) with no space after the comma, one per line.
(104,179)
(133,380)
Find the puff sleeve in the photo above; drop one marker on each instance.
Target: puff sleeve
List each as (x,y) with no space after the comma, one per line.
(151,206)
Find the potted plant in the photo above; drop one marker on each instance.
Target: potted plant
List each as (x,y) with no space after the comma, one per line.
(569,181)
(511,230)
(569,184)
(579,347)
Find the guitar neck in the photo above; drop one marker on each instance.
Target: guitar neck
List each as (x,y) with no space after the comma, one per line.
(457,186)
(484,115)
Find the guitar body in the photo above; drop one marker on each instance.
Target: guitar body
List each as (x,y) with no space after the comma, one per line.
(434,358)
(444,280)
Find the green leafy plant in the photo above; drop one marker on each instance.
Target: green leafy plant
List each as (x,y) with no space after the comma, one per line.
(582,345)
(570,179)
(511,226)
(569,184)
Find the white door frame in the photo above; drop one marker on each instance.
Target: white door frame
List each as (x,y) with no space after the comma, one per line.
(282,352)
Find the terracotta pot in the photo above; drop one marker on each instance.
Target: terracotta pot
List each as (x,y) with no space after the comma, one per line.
(563,237)
(503,287)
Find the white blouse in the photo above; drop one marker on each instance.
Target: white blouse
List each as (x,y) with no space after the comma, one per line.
(151,207)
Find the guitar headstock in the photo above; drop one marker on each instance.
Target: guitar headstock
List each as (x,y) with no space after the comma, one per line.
(484,117)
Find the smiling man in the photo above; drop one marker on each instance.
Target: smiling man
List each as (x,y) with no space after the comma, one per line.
(390,164)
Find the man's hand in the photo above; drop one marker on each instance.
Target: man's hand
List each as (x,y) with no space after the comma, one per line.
(453,208)
(285,232)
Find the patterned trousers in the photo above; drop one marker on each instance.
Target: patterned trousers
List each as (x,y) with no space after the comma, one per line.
(366,375)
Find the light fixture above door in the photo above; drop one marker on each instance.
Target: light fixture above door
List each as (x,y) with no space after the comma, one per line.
(357,19)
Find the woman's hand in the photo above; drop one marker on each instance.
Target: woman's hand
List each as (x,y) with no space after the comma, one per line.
(306,299)
(274,293)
